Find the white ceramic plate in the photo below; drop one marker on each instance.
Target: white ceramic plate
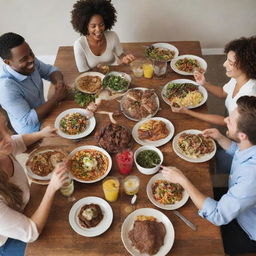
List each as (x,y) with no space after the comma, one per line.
(182,81)
(89,74)
(177,150)
(177,205)
(122,75)
(94,148)
(202,62)
(131,118)
(156,143)
(101,227)
(128,225)
(38,151)
(90,127)
(167,46)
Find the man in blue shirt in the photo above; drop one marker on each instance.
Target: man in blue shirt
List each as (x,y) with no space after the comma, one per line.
(236,209)
(21,84)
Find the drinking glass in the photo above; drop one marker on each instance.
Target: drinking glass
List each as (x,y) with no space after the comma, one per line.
(110,187)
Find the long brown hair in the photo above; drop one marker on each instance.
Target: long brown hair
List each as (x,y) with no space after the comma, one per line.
(9,192)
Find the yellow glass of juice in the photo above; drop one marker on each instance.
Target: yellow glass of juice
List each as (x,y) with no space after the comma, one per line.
(148,70)
(111,188)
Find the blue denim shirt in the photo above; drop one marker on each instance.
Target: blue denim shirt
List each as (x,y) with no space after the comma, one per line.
(21,94)
(240,201)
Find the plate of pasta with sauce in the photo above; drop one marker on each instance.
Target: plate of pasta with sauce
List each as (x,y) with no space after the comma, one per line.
(74,124)
(192,146)
(187,64)
(89,164)
(165,194)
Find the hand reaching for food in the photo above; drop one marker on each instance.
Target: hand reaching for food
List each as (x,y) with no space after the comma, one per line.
(126,59)
(48,131)
(213,133)
(173,174)
(199,76)
(178,109)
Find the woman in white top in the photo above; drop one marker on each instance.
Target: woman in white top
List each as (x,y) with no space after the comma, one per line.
(241,68)
(16,229)
(93,19)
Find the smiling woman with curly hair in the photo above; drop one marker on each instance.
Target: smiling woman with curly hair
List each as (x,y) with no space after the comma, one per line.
(94,19)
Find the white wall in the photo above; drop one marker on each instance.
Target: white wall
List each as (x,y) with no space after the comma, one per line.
(46,24)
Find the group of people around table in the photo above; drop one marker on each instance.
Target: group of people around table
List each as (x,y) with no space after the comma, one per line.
(22,97)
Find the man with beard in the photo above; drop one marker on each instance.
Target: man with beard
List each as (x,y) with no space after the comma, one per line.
(21,84)
(235,212)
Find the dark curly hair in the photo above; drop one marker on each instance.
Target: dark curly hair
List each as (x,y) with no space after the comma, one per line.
(83,10)
(245,50)
(7,42)
(246,106)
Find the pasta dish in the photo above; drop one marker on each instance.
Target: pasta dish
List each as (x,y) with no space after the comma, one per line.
(195,145)
(73,123)
(165,192)
(89,164)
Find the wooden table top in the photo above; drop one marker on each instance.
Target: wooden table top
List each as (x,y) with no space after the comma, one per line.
(59,239)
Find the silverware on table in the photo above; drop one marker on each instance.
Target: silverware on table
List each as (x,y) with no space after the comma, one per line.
(190,224)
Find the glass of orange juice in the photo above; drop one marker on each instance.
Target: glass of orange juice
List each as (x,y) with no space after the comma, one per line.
(148,69)
(110,187)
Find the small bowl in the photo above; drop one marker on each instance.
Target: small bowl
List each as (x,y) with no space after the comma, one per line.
(148,171)
(122,75)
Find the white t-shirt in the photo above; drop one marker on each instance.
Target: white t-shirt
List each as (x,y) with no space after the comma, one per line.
(15,224)
(248,89)
(85,58)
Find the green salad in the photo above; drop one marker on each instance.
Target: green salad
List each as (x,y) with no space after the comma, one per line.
(148,158)
(115,83)
(83,99)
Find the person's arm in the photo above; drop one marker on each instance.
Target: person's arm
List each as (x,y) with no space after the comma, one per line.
(31,138)
(59,178)
(126,58)
(210,118)
(214,89)
(80,58)
(176,176)
(223,141)
(59,94)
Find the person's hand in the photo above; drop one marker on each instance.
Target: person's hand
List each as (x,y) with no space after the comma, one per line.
(127,59)
(177,109)
(59,176)
(61,83)
(48,131)
(213,133)
(60,92)
(199,77)
(173,174)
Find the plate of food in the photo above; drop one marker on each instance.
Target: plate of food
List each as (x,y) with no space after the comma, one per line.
(90,216)
(89,82)
(42,161)
(155,131)
(161,52)
(184,93)
(114,138)
(139,103)
(89,164)
(147,231)
(74,124)
(165,194)
(117,82)
(192,146)
(187,64)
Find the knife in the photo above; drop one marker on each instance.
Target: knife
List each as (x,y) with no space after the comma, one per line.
(190,224)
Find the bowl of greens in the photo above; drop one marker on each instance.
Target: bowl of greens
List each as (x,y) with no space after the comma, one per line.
(148,159)
(117,82)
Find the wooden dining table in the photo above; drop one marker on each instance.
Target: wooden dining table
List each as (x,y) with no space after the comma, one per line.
(59,239)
